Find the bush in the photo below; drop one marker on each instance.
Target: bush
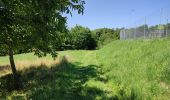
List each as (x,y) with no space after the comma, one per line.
(83,38)
(79,38)
(105,35)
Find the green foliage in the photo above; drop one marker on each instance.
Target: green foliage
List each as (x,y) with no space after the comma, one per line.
(106,35)
(34,24)
(83,38)
(2,51)
(79,37)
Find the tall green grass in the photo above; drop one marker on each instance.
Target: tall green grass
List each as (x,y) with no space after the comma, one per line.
(141,67)
(121,70)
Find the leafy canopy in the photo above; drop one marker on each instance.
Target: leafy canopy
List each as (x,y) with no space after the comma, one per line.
(35,25)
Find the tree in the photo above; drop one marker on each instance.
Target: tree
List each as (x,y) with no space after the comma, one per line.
(106,35)
(82,38)
(34,25)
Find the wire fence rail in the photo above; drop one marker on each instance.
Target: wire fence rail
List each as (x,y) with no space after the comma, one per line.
(155,25)
(145,32)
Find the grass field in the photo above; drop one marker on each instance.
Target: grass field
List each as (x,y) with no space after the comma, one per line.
(122,70)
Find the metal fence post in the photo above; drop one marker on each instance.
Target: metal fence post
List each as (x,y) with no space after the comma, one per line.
(167,28)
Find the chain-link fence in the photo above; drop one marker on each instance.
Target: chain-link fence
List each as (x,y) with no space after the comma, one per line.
(141,32)
(155,25)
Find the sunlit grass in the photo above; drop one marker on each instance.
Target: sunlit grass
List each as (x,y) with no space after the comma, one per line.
(132,69)
(138,65)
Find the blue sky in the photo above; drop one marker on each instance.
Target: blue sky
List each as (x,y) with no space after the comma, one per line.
(121,13)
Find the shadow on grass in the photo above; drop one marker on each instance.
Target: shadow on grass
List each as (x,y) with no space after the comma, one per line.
(3,68)
(64,81)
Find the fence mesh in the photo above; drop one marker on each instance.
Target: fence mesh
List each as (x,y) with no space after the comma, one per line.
(155,25)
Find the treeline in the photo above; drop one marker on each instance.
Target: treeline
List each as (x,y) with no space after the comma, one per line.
(79,38)
(82,38)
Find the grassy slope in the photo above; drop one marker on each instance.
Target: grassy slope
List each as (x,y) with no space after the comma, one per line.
(141,67)
(125,70)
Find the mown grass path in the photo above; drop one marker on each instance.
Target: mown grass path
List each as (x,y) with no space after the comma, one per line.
(89,58)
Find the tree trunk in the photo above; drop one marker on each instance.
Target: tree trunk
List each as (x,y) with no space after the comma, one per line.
(11,58)
(16,76)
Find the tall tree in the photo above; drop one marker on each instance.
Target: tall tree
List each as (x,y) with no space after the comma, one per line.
(82,38)
(35,25)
